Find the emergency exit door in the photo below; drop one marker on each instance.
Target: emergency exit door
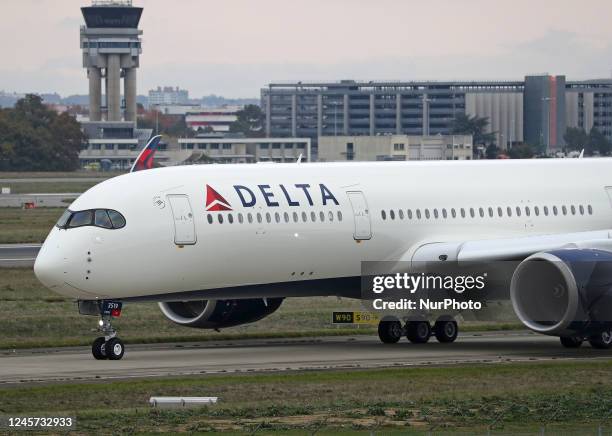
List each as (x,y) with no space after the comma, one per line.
(184,226)
(361,214)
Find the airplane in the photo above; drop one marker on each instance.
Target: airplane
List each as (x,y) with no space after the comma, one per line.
(222,245)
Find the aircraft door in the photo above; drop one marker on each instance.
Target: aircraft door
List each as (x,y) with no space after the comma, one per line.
(361,214)
(182,214)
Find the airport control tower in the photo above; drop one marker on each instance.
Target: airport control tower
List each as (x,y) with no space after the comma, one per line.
(111,46)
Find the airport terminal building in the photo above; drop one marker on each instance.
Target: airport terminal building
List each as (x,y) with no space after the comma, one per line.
(536,110)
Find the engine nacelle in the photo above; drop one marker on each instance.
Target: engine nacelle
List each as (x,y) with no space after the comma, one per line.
(564,292)
(216,314)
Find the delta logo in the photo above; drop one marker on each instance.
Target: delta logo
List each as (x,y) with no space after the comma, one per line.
(290,195)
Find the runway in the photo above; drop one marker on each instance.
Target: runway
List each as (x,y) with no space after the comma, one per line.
(162,360)
(12,255)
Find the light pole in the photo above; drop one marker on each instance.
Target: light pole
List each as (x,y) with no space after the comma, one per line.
(547,100)
(426,115)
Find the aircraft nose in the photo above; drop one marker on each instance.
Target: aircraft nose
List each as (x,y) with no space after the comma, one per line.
(49,267)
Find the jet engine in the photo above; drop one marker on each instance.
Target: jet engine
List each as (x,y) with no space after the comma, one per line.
(216,314)
(564,292)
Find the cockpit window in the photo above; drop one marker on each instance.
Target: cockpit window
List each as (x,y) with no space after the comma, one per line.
(61,223)
(83,218)
(104,218)
(101,219)
(116,218)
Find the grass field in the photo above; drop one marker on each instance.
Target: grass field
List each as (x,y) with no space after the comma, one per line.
(26,225)
(40,318)
(56,174)
(61,186)
(568,398)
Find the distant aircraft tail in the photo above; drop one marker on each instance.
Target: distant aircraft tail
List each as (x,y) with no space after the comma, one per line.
(144,161)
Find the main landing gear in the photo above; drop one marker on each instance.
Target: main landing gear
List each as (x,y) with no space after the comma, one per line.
(418,332)
(602,340)
(108,346)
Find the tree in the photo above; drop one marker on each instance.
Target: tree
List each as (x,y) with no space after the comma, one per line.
(476,126)
(575,139)
(521,151)
(250,121)
(492,151)
(598,142)
(35,138)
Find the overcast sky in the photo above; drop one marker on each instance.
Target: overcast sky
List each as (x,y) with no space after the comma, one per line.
(234,47)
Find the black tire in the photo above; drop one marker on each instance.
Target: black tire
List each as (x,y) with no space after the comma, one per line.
(98,349)
(571,341)
(114,349)
(418,332)
(602,341)
(446,331)
(389,332)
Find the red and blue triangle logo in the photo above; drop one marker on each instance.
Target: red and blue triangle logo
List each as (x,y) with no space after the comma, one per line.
(215,201)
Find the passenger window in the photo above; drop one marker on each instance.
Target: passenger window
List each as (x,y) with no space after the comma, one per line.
(286,216)
(116,218)
(322,216)
(277,217)
(240,218)
(409,213)
(400,212)
(573,209)
(383,214)
(527,211)
(472,213)
(418,213)
(230,218)
(304,217)
(101,219)
(590,209)
(444,213)
(295,217)
(564,210)
(268,217)
(259,219)
(83,218)
(555,210)
(392,214)
(435,213)
(220,218)
(250,218)
(313,216)
(331,215)
(509,211)
(581,208)
(518,211)
(491,212)
(500,212)
(546,210)
(481,212)
(427,213)
(340,216)
(462,213)
(210,219)
(453,212)
(536,210)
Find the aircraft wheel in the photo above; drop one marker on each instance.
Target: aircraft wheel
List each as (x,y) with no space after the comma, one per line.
(446,331)
(571,341)
(418,332)
(389,332)
(602,341)
(98,349)
(114,349)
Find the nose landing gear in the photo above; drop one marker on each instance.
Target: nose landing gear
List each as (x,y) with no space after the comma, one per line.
(108,346)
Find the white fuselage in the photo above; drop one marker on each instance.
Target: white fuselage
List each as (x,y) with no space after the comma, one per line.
(162,249)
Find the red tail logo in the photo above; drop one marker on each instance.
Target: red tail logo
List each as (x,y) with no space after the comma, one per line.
(215,201)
